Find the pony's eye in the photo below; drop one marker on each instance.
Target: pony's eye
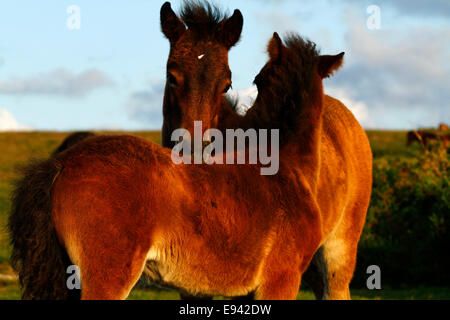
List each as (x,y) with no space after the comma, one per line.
(227,88)
(171,79)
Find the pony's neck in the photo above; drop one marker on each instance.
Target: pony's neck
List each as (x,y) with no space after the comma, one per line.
(309,124)
(308,143)
(257,117)
(299,122)
(229,118)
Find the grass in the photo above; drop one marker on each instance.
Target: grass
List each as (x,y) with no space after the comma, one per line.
(421,293)
(391,143)
(17,148)
(11,291)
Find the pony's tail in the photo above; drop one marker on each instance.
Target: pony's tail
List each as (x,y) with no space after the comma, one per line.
(37,255)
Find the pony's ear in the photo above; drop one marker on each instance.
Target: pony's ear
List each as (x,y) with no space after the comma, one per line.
(329,64)
(231,29)
(275,48)
(172,27)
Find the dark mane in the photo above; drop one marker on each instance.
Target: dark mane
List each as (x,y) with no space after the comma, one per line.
(303,47)
(295,76)
(301,67)
(285,90)
(201,16)
(302,63)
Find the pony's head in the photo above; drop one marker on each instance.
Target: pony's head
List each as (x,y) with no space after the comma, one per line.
(198,75)
(295,70)
(290,84)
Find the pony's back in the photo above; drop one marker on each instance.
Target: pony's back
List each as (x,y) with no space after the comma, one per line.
(345,151)
(340,122)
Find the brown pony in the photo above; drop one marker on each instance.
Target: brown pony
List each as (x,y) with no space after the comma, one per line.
(445,140)
(330,143)
(264,117)
(198,74)
(117,206)
(443,127)
(423,137)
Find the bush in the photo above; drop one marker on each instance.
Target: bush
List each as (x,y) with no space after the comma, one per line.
(407,232)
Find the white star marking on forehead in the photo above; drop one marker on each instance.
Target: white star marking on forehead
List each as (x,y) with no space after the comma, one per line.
(201,57)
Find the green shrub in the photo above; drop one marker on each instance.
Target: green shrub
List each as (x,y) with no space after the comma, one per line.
(407,232)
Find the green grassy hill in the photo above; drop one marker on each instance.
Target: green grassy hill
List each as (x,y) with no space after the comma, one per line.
(18,148)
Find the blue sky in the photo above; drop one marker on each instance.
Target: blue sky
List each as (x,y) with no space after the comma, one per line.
(110,73)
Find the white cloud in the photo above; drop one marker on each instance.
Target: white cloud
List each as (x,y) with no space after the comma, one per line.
(402,76)
(245,98)
(146,105)
(9,123)
(57,82)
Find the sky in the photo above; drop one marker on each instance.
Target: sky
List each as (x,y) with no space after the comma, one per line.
(110,73)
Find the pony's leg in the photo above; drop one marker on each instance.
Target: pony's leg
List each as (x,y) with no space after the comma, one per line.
(339,255)
(282,270)
(316,274)
(279,285)
(110,279)
(278,281)
(340,262)
(109,266)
